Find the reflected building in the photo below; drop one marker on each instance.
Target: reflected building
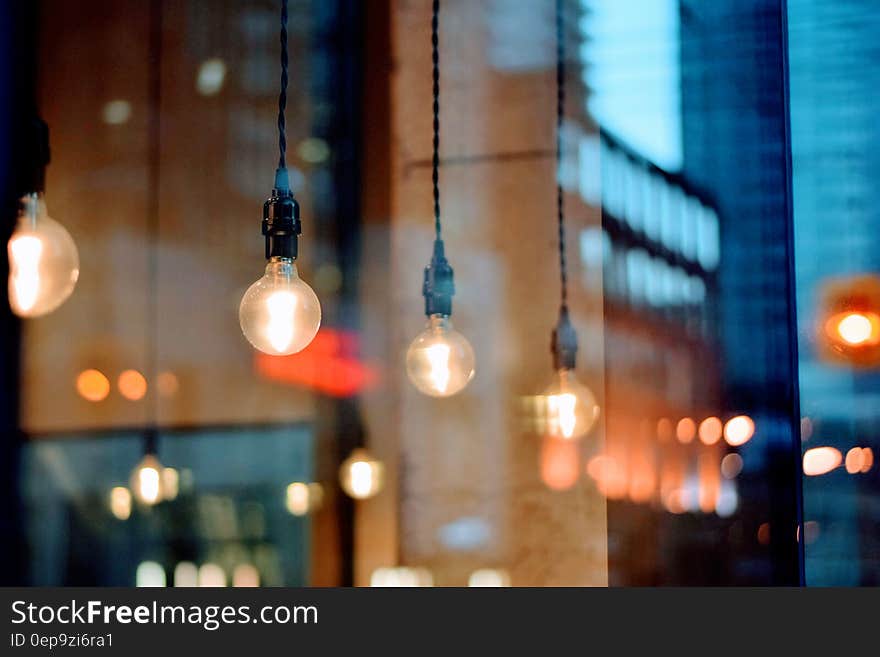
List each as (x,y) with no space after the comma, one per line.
(835,154)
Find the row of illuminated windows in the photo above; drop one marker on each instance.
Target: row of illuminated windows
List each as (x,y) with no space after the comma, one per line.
(641,198)
(634,275)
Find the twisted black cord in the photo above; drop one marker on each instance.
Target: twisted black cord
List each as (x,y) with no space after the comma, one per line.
(282,97)
(560,114)
(435,163)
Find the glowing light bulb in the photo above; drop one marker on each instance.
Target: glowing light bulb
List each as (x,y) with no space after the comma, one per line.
(147,483)
(440,361)
(280,314)
(361,475)
(855,328)
(570,409)
(43,261)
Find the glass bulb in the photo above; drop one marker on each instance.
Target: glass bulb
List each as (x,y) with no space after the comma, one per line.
(43,261)
(361,475)
(280,314)
(440,361)
(147,483)
(570,409)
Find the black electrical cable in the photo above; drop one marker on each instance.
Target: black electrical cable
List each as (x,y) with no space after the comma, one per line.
(563,344)
(152,307)
(282,96)
(435,162)
(560,115)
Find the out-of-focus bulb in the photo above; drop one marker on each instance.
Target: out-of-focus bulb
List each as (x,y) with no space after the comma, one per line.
(147,482)
(440,361)
(280,314)
(43,261)
(570,409)
(361,475)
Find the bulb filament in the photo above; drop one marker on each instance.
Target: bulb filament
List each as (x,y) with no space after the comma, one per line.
(438,357)
(361,478)
(25,274)
(282,308)
(562,413)
(148,482)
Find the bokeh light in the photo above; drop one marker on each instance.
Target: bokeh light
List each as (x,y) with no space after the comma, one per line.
(739,430)
(120,502)
(821,460)
(731,465)
(92,385)
(560,463)
(489,578)
(132,385)
(710,430)
(211,575)
(686,430)
(245,575)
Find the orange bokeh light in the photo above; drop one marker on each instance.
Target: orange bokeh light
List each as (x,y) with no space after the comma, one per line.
(92,385)
(854,329)
(560,463)
(664,430)
(132,385)
(867,458)
(821,460)
(854,460)
(710,430)
(739,430)
(686,430)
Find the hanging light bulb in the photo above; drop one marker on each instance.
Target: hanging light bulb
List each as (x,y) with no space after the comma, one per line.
(570,407)
(43,260)
(361,475)
(280,314)
(440,361)
(147,483)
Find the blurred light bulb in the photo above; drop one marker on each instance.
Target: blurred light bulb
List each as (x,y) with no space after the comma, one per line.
(440,361)
(43,261)
(147,483)
(361,475)
(280,314)
(570,409)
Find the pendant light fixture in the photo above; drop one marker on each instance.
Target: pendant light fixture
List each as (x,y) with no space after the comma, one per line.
(148,477)
(280,314)
(570,409)
(43,260)
(440,361)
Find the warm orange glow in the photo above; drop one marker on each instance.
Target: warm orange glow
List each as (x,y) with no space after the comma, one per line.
(132,385)
(642,480)
(167,384)
(731,465)
(854,329)
(329,365)
(560,463)
(709,481)
(675,501)
(710,430)
(664,430)
(92,385)
(609,475)
(867,459)
(821,460)
(686,430)
(854,460)
(739,430)
(764,534)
